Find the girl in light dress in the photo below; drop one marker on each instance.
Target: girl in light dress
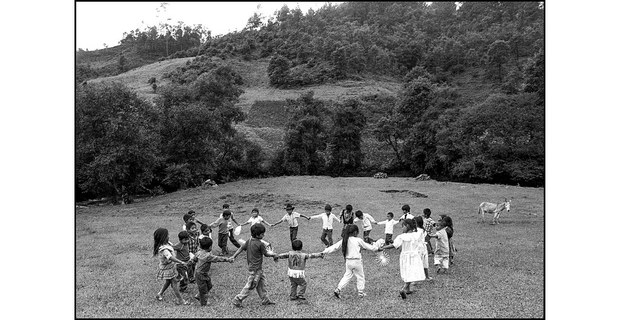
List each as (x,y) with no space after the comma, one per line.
(411,267)
(162,248)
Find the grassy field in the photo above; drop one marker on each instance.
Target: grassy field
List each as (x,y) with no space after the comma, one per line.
(498,269)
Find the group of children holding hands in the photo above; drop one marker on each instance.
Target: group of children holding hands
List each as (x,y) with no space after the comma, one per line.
(190,260)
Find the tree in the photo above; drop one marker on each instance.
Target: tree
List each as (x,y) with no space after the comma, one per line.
(278,70)
(121,63)
(499,53)
(305,135)
(502,140)
(116,141)
(535,76)
(346,137)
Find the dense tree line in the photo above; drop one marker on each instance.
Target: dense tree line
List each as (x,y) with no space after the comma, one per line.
(126,146)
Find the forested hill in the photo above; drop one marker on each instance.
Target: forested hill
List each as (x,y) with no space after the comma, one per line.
(470,105)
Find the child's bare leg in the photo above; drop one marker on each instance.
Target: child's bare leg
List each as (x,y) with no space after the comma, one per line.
(404,289)
(164,287)
(175,289)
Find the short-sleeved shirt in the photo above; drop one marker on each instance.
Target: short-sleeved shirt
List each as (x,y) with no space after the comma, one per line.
(256,220)
(389,225)
(366,221)
(442,247)
(182,251)
(292,219)
(229,225)
(428,224)
(203,261)
(407,215)
(222,225)
(256,250)
(193,243)
(297,262)
(164,255)
(347,217)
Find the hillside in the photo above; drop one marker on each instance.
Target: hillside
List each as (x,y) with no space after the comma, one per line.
(259,126)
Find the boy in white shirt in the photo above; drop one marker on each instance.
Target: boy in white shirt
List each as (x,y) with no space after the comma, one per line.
(328,225)
(255,218)
(366,224)
(389,227)
(291,218)
(406,213)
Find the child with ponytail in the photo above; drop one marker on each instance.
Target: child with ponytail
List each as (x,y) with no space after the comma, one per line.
(351,247)
(162,248)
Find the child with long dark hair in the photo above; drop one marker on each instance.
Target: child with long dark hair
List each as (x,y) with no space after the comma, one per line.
(424,248)
(450,232)
(351,250)
(410,242)
(162,248)
(346,216)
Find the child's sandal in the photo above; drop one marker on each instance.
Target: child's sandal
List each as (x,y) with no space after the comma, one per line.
(183,302)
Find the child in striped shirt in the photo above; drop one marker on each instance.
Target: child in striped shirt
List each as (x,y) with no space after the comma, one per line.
(296,268)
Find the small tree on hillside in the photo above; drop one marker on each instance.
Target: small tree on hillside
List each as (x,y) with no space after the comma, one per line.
(305,135)
(278,70)
(499,53)
(346,137)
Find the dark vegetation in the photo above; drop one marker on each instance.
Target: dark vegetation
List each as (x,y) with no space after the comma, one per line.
(471,106)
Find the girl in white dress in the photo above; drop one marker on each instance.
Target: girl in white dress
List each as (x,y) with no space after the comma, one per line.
(411,268)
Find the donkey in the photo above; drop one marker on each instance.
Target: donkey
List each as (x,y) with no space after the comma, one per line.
(488,207)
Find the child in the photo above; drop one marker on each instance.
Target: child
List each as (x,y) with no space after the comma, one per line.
(328,225)
(296,267)
(423,249)
(192,231)
(389,227)
(406,213)
(449,231)
(256,249)
(255,218)
(182,253)
(428,227)
(347,216)
(291,218)
(203,259)
(222,233)
(193,213)
(351,247)
(366,219)
(411,269)
(187,218)
(205,231)
(162,248)
(231,235)
(442,250)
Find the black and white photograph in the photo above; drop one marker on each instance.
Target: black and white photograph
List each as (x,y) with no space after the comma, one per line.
(310,159)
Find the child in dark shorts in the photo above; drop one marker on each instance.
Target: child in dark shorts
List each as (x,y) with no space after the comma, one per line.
(203,260)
